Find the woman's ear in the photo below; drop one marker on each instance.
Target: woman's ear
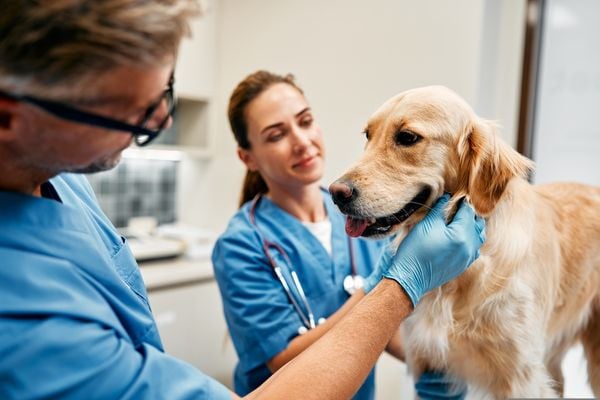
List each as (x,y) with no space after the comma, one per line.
(488,164)
(247,158)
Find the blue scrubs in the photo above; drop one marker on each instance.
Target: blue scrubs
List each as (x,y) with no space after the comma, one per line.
(75,322)
(261,319)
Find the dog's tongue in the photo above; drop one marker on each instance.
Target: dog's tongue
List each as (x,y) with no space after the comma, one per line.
(355,226)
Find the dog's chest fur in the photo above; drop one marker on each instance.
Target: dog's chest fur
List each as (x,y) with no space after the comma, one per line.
(493,326)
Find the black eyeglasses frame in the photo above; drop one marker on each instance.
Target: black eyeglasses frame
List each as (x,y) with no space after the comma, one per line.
(142,135)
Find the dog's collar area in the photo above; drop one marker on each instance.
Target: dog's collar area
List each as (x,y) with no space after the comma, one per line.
(383,225)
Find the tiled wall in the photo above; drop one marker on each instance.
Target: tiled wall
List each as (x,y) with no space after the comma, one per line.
(138,187)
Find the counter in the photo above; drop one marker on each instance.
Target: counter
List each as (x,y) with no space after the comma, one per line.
(178,271)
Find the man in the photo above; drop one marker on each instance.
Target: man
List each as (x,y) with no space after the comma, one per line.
(79,80)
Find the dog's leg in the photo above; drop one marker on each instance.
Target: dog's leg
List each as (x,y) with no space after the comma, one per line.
(591,344)
(554,364)
(524,380)
(554,368)
(508,362)
(526,375)
(538,385)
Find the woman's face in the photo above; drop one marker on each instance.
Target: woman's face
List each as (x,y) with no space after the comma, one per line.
(286,144)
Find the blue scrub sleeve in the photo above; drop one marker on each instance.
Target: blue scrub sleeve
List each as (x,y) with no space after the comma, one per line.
(259,315)
(58,340)
(75,359)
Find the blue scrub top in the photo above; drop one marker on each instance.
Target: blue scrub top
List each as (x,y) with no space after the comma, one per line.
(75,322)
(260,317)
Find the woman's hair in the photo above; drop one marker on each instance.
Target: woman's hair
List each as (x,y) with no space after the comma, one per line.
(48,42)
(246,91)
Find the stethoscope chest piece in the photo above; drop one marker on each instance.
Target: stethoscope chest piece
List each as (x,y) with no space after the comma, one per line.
(302,329)
(352,283)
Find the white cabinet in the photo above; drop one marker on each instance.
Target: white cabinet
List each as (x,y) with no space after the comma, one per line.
(194,88)
(186,304)
(195,72)
(191,325)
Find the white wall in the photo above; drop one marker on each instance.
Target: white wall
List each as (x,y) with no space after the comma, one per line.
(350,56)
(566,137)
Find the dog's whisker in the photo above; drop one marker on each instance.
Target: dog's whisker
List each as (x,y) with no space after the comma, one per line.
(421,205)
(398,220)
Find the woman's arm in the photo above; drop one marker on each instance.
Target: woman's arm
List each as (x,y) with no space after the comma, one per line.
(301,342)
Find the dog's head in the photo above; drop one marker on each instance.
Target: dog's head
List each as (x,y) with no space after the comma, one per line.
(420,144)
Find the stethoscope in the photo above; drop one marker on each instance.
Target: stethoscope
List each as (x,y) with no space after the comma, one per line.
(351,283)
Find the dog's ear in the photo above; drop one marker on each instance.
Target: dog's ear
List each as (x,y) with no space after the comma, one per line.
(487,164)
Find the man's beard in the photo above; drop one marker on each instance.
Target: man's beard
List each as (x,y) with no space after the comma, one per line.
(98,166)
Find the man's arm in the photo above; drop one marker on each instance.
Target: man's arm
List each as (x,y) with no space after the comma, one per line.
(335,366)
(395,347)
(302,342)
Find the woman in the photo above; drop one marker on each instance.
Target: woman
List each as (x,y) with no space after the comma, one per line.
(287,221)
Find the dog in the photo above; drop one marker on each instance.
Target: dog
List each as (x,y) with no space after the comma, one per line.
(505,324)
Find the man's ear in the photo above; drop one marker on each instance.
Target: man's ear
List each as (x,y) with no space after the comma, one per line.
(487,165)
(7,107)
(247,158)
(5,118)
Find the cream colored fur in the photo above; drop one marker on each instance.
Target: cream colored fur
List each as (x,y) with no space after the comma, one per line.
(506,323)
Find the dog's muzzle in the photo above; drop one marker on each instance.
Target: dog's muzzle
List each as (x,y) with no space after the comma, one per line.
(344,194)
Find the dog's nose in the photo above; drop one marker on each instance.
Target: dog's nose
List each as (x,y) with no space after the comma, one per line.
(342,193)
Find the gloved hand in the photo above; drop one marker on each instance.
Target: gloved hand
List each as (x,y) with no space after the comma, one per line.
(382,265)
(433,385)
(434,253)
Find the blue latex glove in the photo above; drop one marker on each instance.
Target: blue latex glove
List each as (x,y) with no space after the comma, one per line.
(435,385)
(382,265)
(434,253)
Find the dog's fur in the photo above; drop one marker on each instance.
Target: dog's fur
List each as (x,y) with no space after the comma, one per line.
(505,324)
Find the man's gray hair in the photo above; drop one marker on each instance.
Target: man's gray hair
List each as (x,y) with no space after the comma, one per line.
(50,42)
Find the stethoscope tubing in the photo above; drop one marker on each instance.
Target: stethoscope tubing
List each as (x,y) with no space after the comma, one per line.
(308,317)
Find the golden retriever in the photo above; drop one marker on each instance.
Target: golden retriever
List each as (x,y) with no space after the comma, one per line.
(505,324)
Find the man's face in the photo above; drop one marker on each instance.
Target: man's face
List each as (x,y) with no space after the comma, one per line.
(43,143)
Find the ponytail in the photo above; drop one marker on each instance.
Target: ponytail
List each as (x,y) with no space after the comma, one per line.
(253,185)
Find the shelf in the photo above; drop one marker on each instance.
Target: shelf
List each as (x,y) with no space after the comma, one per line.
(190,132)
(184,95)
(199,153)
(191,123)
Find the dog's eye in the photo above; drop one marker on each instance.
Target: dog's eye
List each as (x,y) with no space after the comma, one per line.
(406,138)
(366,133)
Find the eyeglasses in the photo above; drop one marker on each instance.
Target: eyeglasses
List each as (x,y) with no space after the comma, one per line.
(143,135)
